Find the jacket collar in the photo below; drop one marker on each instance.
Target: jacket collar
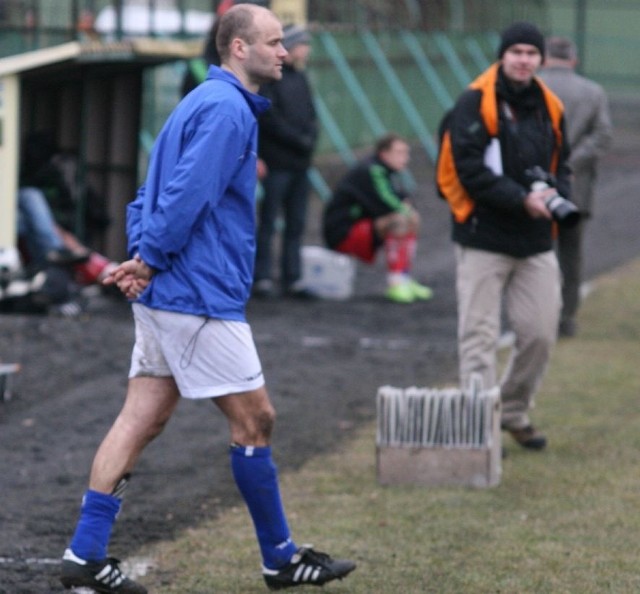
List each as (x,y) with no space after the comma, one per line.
(256,103)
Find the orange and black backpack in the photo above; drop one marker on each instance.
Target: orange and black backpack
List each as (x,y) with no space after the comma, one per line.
(448,183)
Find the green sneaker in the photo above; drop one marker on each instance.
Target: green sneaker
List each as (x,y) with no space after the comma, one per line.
(421,292)
(401,293)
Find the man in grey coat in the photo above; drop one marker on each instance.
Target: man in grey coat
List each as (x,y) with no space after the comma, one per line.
(589,131)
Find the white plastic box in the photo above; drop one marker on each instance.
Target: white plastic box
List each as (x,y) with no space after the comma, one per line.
(328,274)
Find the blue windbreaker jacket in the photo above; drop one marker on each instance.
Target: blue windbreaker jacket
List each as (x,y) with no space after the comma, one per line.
(193,220)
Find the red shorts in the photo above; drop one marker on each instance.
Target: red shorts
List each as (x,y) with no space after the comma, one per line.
(360,242)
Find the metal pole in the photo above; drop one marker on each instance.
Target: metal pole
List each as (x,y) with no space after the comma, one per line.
(581,32)
(403,98)
(74,32)
(33,24)
(449,53)
(118,6)
(352,83)
(428,71)
(151,8)
(457,15)
(333,131)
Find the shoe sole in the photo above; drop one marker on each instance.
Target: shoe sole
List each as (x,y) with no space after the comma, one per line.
(78,581)
(283,586)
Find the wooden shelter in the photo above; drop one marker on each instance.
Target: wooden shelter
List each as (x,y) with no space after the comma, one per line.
(88,97)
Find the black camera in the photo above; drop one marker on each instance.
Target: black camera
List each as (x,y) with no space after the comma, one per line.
(563,211)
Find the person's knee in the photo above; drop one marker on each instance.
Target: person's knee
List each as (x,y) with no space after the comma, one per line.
(256,426)
(30,198)
(261,422)
(146,425)
(145,430)
(251,416)
(394,225)
(397,225)
(537,338)
(157,427)
(413,221)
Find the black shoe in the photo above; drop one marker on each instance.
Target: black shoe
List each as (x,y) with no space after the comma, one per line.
(263,289)
(567,328)
(307,567)
(66,257)
(302,295)
(104,577)
(298,291)
(528,437)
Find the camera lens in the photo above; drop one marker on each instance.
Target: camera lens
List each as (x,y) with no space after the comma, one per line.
(565,213)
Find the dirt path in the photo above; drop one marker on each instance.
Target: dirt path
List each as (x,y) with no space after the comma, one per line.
(323,362)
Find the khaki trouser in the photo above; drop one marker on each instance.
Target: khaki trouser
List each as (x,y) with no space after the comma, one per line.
(530,288)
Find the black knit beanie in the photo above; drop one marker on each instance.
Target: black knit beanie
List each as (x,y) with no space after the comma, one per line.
(521,32)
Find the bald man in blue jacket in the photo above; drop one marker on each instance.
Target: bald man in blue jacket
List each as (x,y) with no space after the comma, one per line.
(191,235)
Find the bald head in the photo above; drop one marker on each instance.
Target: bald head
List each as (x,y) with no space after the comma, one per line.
(238,22)
(249,41)
(561,48)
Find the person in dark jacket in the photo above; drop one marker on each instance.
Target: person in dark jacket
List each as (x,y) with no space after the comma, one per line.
(590,133)
(504,244)
(370,209)
(287,139)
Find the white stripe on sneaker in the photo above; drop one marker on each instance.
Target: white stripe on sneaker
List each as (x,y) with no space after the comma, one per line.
(110,576)
(298,573)
(306,573)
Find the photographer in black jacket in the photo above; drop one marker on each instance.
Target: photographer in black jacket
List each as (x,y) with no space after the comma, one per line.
(288,134)
(504,125)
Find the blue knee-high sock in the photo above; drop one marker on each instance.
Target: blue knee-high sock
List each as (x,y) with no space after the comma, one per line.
(257,478)
(97,516)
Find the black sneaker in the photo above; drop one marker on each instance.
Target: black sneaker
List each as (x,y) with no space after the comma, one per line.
(67,257)
(307,567)
(104,577)
(300,293)
(263,289)
(528,437)
(567,328)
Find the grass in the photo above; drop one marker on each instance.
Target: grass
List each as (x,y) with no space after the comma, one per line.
(563,521)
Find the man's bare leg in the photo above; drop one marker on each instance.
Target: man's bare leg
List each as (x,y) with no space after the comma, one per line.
(149,404)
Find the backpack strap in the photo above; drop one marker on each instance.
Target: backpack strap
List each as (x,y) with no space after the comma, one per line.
(486,84)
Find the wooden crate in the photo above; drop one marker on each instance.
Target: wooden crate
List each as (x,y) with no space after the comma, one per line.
(433,467)
(443,465)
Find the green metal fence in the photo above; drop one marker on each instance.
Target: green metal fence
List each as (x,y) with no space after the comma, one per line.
(606,32)
(393,80)
(375,69)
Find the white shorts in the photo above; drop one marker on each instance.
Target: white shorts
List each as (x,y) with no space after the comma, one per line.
(205,356)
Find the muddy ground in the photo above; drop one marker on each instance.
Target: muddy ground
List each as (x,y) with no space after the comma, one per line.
(323,361)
